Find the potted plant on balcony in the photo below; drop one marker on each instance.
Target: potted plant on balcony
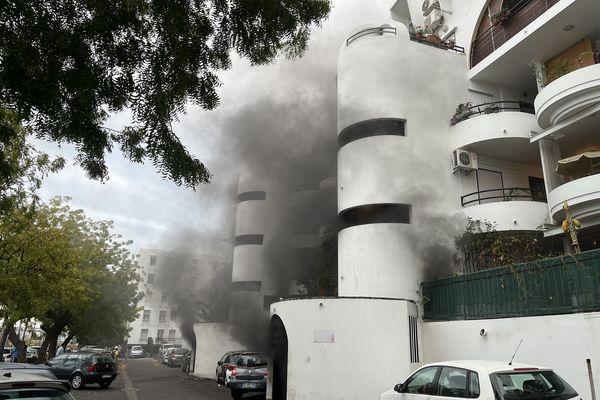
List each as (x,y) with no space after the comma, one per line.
(434,39)
(419,33)
(462,112)
(450,44)
(500,16)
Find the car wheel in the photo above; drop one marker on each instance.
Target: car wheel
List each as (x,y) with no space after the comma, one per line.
(105,385)
(77,381)
(237,395)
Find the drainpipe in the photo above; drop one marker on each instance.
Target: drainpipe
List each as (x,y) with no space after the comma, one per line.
(591,377)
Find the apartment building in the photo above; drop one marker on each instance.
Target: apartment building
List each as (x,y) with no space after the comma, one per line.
(453,110)
(172,282)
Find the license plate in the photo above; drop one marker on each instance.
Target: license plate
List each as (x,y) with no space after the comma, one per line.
(249,385)
(106,376)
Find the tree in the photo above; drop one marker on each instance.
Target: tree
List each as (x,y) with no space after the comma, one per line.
(66,64)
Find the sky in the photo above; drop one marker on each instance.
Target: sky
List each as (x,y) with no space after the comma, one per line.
(156,213)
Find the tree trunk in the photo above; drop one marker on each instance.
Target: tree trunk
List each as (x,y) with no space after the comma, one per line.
(16,341)
(4,335)
(52,343)
(66,342)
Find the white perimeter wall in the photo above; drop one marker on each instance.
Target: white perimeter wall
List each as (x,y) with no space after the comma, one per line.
(562,342)
(368,353)
(212,341)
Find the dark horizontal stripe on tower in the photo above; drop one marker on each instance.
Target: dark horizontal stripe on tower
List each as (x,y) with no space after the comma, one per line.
(248,239)
(255,195)
(382,213)
(372,127)
(246,286)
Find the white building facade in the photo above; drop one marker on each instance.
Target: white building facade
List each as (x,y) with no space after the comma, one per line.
(452,109)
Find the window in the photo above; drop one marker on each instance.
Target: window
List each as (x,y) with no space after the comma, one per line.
(246,286)
(173,315)
(71,360)
(246,196)
(474,385)
(251,360)
(162,316)
(382,213)
(165,298)
(160,333)
(452,382)
(531,385)
(374,127)
(150,278)
(414,338)
(148,296)
(144,334)
(422,381)
(248,239)
(153,260)
(57,360)
(146,316)
(171,333)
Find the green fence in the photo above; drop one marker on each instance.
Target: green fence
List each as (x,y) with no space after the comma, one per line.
(560,285)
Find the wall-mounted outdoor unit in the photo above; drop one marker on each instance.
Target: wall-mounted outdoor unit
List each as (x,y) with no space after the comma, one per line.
(463,160)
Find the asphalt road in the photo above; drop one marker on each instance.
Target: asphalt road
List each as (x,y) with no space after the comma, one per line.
(147,379)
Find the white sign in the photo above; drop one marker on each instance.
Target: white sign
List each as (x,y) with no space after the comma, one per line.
(323,336)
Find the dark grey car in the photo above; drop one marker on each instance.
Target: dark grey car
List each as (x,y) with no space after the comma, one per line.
(249,375)
(175,356)
(83,368)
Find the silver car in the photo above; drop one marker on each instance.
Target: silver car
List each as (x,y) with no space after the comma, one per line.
(136,352)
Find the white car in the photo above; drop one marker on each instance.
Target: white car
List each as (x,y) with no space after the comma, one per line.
(485,380)
(136,351)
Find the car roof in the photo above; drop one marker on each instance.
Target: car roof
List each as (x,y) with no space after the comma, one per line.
(486,366)
(7,366)
(9,380)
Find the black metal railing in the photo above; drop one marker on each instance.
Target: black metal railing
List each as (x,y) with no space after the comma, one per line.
(466,111)
(444,45)
(515,20)
(503,194)
(377,31)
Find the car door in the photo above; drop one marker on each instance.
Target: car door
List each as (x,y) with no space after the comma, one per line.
(68,366)
(420,385)
(457,383)
(222,366)
(56,363)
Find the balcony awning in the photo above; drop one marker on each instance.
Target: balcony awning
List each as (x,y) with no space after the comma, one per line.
(581,165)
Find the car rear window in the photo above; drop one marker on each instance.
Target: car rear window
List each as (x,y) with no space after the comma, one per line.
(532,385)
(136,347)
(102,358)
(251,360)
(39,394)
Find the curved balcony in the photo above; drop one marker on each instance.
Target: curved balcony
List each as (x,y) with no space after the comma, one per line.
(568,95)
(509,208)
(582,195)
(504,133)
(466,111)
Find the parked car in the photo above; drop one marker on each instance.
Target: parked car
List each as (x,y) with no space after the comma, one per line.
(186,362)
(226,363)
(93,349)
(164,347)
(17,385)
(136,352)
(32,354)
(84,368)
(37,369)
(249,375)
(6,354)
(175,356)
(485,380)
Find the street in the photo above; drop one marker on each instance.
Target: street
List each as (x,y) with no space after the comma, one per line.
(147,379)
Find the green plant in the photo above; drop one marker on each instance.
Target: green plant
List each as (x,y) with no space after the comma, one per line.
(500,16)
(537,70)
(461,113)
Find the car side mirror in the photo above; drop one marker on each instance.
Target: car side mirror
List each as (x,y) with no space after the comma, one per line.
(399,388)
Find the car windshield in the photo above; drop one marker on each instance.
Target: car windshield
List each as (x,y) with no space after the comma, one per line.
(252,360)
(39,394)
(531,385)
(180,351)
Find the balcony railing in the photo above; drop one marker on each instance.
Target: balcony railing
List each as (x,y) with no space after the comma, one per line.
(503,194)
(516,19)
(436,42)
(466,111)
(559,285)
(376,31)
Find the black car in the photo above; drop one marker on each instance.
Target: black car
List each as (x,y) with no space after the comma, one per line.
(83,368)
(175,356)
(249,375)
(36,369)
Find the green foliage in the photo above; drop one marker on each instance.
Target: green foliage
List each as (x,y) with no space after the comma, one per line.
(66,64)
(320,278)
(22,167)
(481,246)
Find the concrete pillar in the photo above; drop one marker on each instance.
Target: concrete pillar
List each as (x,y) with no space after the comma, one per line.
(550,155)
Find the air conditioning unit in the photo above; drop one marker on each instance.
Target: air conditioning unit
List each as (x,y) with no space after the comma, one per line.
(434,20)
(463,160)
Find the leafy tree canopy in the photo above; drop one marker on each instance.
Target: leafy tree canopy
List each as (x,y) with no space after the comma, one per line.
(66,64)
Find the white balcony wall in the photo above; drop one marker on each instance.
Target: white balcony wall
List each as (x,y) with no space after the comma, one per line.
(251,217)
(582,195)
(511,215)
(248,263)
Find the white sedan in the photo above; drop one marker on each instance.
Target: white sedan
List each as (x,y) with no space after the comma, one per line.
(485,380)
